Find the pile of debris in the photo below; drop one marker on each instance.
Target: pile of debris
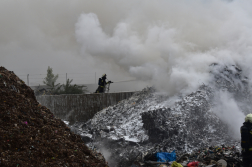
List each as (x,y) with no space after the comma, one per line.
(150,122)
(223,156)
(30,135)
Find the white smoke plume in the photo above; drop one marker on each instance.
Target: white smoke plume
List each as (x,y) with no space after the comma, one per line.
(171,43)
(164,43)
(228,111)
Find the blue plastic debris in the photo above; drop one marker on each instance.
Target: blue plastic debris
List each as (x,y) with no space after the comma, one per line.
(166,157)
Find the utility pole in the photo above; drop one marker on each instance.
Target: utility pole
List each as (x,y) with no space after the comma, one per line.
(95,78)
(28,79)
(66,78)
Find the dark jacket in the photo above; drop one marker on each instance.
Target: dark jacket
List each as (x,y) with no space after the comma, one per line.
(246,137)
(102,82)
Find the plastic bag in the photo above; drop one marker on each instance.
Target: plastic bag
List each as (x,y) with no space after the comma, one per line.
(193,164)
(175,164)
(165,157)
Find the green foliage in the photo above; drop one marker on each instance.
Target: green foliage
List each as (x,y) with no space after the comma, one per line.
(57,89)
(72,89)
(50,78)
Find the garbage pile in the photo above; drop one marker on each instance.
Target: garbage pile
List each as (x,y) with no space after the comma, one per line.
(153,122)
(187,125)
(222,156)
(30,135)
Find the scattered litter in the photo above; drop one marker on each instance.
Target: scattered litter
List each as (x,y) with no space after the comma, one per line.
(209,157)
(166,157)
(193,164)
(175,164)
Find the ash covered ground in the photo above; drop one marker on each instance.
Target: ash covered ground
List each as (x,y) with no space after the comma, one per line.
(150,122)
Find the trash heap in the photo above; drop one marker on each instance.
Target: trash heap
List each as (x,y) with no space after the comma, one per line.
(150,122)
(30,135)
(222,156)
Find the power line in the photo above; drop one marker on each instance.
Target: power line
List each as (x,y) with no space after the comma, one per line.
(125,81)
(21,75)
(76,77)
(56,74)
(83,73)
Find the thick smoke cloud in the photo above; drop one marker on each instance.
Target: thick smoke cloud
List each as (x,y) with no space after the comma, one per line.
(171,43)
(164,43)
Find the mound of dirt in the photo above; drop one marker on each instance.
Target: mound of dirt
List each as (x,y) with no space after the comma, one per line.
(30,135)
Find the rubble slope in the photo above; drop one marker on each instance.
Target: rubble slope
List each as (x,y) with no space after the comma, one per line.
(30,135)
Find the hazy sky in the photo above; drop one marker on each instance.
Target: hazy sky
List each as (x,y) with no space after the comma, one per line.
(165,43)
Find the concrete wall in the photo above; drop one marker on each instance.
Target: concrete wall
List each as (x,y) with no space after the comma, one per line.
(80,107)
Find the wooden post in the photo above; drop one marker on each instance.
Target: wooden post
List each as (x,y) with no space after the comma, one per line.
(28,79)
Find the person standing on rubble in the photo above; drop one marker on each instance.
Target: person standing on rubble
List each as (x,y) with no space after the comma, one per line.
(246,141)
(102,83)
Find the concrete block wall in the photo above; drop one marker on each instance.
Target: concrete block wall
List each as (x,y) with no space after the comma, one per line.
(80,107)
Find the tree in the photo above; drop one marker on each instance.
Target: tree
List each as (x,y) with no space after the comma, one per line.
(50,78)
(72,89)
(55,89)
